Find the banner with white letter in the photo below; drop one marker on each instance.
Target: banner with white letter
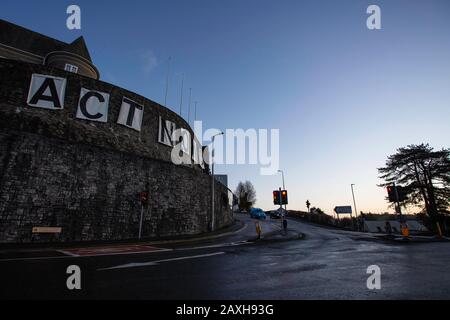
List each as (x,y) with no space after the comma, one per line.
(131,114)
(186,141)
(166,132)
(197,155)
(46,92)
(93,105)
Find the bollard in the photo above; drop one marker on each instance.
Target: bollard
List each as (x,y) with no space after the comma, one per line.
(258,230)
(405,230)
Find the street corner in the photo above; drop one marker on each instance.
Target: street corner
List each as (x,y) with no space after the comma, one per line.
(412,239)
(278,236)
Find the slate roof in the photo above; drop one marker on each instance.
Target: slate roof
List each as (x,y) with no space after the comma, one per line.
(26,40)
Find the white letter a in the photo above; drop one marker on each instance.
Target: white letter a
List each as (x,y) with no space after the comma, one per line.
(74,280)
(374,21)
(74,20)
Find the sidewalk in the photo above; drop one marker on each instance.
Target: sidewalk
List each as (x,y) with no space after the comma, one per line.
(7,248)
(414,238)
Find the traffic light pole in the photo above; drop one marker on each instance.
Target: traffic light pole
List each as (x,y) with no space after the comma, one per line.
(281,209)
(397,201)
(354,204)
(140,222)
(284,188)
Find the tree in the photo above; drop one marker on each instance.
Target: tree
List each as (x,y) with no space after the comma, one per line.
(246,195)
(425,175)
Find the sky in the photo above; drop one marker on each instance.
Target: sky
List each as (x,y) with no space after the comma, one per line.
(343,97)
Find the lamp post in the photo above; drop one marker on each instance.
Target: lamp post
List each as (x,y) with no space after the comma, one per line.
(284,187)
(354,202)
(212,179)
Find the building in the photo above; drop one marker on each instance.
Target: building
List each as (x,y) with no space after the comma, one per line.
(76,153)
(377,223)
(21,44)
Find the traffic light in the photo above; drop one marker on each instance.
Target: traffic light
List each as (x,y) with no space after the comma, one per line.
(276,197)
(284,197)
(308,204)
(402,196)
(144,197)
(392,194)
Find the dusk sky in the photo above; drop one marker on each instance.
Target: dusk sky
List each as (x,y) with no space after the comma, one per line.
(344,97)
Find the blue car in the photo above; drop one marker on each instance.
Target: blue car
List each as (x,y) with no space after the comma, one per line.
(257,213)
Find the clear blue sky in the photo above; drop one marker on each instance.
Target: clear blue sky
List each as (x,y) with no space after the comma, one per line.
(344,97)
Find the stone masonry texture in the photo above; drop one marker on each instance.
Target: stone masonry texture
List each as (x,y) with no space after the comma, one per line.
(85,177)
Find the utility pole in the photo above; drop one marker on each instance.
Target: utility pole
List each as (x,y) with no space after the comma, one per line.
(284,187)
(354,202)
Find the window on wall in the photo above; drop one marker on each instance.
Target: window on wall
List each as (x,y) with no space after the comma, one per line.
(71,68)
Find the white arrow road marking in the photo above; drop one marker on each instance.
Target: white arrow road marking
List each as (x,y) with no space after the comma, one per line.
(231,244)
(154,263)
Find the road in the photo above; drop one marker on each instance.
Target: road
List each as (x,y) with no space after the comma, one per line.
(326,264)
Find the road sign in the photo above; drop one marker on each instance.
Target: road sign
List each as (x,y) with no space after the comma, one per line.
(343,210)
(46,230)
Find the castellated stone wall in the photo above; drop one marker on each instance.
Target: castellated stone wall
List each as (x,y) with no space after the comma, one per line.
(85,177)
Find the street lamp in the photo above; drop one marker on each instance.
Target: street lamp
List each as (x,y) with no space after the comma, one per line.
(212,179)
(282,175)
(354,202)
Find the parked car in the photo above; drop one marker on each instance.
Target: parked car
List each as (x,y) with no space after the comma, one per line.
(277,214)
(257,213)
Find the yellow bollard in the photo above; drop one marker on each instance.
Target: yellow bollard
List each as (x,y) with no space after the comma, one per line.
(258,230)
(405,230)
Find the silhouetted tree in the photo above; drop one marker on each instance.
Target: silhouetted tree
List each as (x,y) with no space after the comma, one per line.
(424,173)
(246,194)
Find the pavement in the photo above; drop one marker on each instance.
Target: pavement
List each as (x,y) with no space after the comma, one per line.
(239,232)
(325,264)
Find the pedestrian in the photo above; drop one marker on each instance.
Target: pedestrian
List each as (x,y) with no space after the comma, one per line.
(388,227)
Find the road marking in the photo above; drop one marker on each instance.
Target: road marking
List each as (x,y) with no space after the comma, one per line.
(85,256)
(221,245)
(154,263)
(67,253)
(106,250)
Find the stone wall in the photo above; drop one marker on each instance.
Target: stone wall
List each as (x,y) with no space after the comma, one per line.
(85,177)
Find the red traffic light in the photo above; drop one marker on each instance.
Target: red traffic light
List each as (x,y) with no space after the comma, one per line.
(284,197)
(276,197)
(144,197)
